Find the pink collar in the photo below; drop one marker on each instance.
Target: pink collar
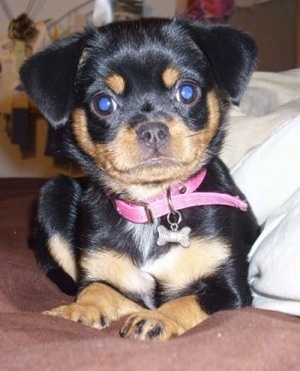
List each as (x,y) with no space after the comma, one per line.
(176,198)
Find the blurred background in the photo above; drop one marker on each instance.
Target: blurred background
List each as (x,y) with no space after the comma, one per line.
(28,146)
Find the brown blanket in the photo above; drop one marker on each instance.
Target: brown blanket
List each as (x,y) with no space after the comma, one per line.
(247,339)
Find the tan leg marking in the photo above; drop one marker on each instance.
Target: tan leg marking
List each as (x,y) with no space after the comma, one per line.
(171,319)
(62,253)
(97,306)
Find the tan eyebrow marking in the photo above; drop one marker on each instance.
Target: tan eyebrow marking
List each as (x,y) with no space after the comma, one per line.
(170,76)
(116,83)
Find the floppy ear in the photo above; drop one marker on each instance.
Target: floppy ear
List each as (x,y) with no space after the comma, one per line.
(48,78)
(231,53)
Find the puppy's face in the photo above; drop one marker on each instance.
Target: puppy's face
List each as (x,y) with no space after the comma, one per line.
(146,112)
(148,101)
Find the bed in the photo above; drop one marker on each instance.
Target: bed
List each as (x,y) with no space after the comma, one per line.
(263,152)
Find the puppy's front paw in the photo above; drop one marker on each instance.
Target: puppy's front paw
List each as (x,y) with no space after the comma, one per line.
(97,306)
(150,325)
(87,314)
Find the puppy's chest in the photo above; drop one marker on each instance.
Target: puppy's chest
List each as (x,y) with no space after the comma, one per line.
(164,273)
(143,237)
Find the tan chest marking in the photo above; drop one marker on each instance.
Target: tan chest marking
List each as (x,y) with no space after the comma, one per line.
(177,269)
(119,271)
(183,266)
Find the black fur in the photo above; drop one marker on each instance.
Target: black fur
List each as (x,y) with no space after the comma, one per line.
(70,74)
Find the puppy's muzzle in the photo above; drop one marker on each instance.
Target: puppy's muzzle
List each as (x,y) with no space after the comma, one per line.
(153,135)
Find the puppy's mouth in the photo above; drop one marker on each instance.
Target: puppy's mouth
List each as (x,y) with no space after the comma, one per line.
(157,161)
(155,169)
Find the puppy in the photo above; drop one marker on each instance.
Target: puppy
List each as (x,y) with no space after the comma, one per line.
(156,230)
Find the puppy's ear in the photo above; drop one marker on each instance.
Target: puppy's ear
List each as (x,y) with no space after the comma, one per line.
(231,53)
(48,78)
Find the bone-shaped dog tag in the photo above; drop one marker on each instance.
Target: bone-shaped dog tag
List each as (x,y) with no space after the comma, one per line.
(181,236)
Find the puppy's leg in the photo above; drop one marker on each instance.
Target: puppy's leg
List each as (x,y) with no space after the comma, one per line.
(57,214)
(97,306)
(171,319)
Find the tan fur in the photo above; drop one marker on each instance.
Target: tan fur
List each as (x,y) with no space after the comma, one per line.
(183,266)
(177,269)
(118,270)
(62,253)
(82,59)
(170,76)
(185,310)
(116,83)
(173,318)
(81,133)
(97,306)
(213,119)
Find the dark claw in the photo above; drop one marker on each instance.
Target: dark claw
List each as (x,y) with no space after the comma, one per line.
(139,327)
(103,321)
(123,331)
(155,331)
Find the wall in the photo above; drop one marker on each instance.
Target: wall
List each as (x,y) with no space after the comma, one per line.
(273,25)
(163,8)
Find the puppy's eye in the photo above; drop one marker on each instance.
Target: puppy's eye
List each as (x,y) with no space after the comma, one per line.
(104,105)
(187,93)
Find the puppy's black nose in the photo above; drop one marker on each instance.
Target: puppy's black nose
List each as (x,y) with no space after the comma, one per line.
(153,134)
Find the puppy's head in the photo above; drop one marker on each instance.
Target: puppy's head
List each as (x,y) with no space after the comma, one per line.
(143,102)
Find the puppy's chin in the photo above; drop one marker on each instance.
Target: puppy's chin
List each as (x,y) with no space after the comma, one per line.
(149,179)
(155,170)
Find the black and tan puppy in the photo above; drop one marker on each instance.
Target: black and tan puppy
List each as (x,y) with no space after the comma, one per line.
(156,231)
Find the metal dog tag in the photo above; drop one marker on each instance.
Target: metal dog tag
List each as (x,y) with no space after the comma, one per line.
(181,236)
(173,235)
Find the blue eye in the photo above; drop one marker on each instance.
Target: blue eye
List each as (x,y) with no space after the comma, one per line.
(105,105)
(187,93)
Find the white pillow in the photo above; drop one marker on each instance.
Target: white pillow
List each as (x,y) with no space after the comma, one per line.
(270,173)
(270,100)
(274,272)
(267,128)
